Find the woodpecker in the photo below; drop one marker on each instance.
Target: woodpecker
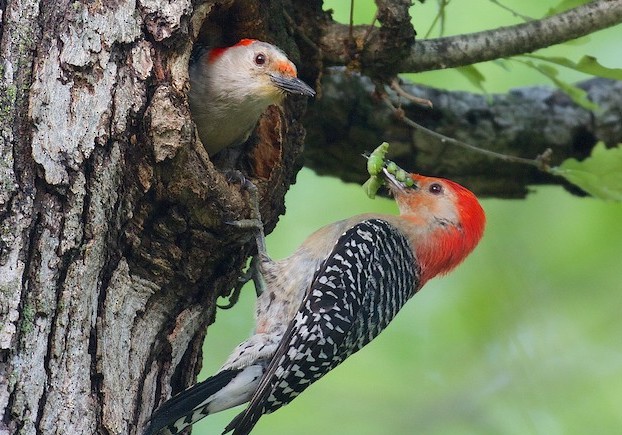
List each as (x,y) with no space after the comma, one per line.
(231,87)
(331,297)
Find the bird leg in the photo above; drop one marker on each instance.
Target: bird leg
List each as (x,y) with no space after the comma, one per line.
(254,222)
(254,270)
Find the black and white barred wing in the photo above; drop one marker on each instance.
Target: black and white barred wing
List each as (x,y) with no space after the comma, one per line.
(356,292)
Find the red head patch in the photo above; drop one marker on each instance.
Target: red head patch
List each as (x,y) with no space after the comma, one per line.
(215,53)
(286,68)
(446,247)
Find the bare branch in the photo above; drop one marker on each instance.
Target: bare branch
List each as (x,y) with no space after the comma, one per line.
(540,162)
(348,121)
(460,50)
(397,87)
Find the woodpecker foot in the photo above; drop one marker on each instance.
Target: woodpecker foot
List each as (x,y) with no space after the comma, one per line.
(235,294)
(251,273)
(255,221)
(254,271)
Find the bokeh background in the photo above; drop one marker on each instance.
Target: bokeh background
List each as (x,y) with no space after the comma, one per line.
(524,338)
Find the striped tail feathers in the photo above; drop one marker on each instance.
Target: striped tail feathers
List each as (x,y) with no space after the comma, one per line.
(233,424)
(179,411)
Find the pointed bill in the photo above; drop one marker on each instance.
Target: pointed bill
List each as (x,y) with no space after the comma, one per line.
(394,184)
(292,85)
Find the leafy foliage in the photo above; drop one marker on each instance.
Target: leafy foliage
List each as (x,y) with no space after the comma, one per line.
(587,65)
(474,76)
(600,175)
(578,95)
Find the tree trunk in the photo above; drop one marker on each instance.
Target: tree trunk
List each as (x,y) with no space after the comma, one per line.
(113,241)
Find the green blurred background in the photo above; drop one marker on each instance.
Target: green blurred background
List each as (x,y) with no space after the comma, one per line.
(524,338)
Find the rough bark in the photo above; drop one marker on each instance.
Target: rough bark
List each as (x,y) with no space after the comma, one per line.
(113,246)
(349,120)
(461,50)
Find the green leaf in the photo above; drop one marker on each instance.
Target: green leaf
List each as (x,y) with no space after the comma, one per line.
(578,95)
(600,175)
(502,63)
(587,65)
(472,74)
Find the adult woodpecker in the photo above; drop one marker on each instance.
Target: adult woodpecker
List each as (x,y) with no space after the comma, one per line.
(331,297)
(231,87)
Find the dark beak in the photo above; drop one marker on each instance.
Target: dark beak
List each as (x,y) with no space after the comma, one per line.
(293,85)
(393,184)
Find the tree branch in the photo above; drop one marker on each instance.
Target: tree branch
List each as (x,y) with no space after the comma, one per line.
(396,35)
(348,121)
(460,50)
(540,162)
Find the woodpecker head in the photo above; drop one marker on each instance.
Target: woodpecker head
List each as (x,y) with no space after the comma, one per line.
(231,87)
(258,68)
(448,221)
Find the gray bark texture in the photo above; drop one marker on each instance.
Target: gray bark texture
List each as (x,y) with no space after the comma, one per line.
(349,120)
(113,238)
(113,244)
(460,50)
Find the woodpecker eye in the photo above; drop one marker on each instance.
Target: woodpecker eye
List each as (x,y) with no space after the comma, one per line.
(260,59)
(435,189)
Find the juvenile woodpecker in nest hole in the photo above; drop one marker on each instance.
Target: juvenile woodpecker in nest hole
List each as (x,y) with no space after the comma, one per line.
(231,87)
